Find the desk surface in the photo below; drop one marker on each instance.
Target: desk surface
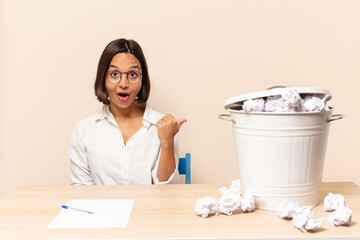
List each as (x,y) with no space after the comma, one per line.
(161,211)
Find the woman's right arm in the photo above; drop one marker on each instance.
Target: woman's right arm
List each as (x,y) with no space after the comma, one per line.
(79,167)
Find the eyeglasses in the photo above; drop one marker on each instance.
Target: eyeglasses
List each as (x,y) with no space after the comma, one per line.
(132,77)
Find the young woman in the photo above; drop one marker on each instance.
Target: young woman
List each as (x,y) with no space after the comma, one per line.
(126,142)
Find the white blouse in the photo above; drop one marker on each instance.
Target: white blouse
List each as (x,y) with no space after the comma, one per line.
(99,156)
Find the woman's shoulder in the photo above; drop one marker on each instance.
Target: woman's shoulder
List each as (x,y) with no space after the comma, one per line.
(152,115)
(87,121)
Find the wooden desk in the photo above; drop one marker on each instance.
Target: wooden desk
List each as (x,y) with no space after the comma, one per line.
(161,211)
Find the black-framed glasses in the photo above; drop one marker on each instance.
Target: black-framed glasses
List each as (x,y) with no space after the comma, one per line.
(115,76)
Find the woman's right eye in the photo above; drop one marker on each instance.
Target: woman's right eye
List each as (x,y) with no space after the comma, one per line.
(114,74)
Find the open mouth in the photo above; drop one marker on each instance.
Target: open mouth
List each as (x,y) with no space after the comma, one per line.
(123,94)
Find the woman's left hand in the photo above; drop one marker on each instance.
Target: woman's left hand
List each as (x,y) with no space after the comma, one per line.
(168,126)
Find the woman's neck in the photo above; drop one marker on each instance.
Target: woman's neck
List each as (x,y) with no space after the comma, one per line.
(135,110)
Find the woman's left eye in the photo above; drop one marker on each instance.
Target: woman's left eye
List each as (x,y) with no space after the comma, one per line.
(133,74)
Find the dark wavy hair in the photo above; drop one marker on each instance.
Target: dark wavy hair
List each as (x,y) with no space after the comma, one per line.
(121,46)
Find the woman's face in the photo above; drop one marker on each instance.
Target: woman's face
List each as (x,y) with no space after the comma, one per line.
(122,94)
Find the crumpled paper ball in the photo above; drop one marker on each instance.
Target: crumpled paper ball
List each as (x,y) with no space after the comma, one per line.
(340,217)
(206,206)
(333,201)
(287,209)
(230,199)
(304,219)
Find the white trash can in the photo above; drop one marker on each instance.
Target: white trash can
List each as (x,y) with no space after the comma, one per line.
(280,154)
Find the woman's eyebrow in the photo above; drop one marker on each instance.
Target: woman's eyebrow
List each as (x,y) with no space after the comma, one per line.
(135,66)
(113,66)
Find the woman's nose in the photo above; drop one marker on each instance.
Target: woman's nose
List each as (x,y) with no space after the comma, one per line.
(123,83)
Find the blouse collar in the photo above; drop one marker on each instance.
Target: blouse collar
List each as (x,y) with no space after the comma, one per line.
(149,117)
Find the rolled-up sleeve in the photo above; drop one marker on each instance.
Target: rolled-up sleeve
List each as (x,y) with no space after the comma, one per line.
(79,168)
(174,177)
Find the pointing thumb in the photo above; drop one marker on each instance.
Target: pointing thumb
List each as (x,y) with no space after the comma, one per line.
(181,121)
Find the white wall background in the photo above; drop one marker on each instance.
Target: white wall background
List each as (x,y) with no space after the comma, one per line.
(199,53)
